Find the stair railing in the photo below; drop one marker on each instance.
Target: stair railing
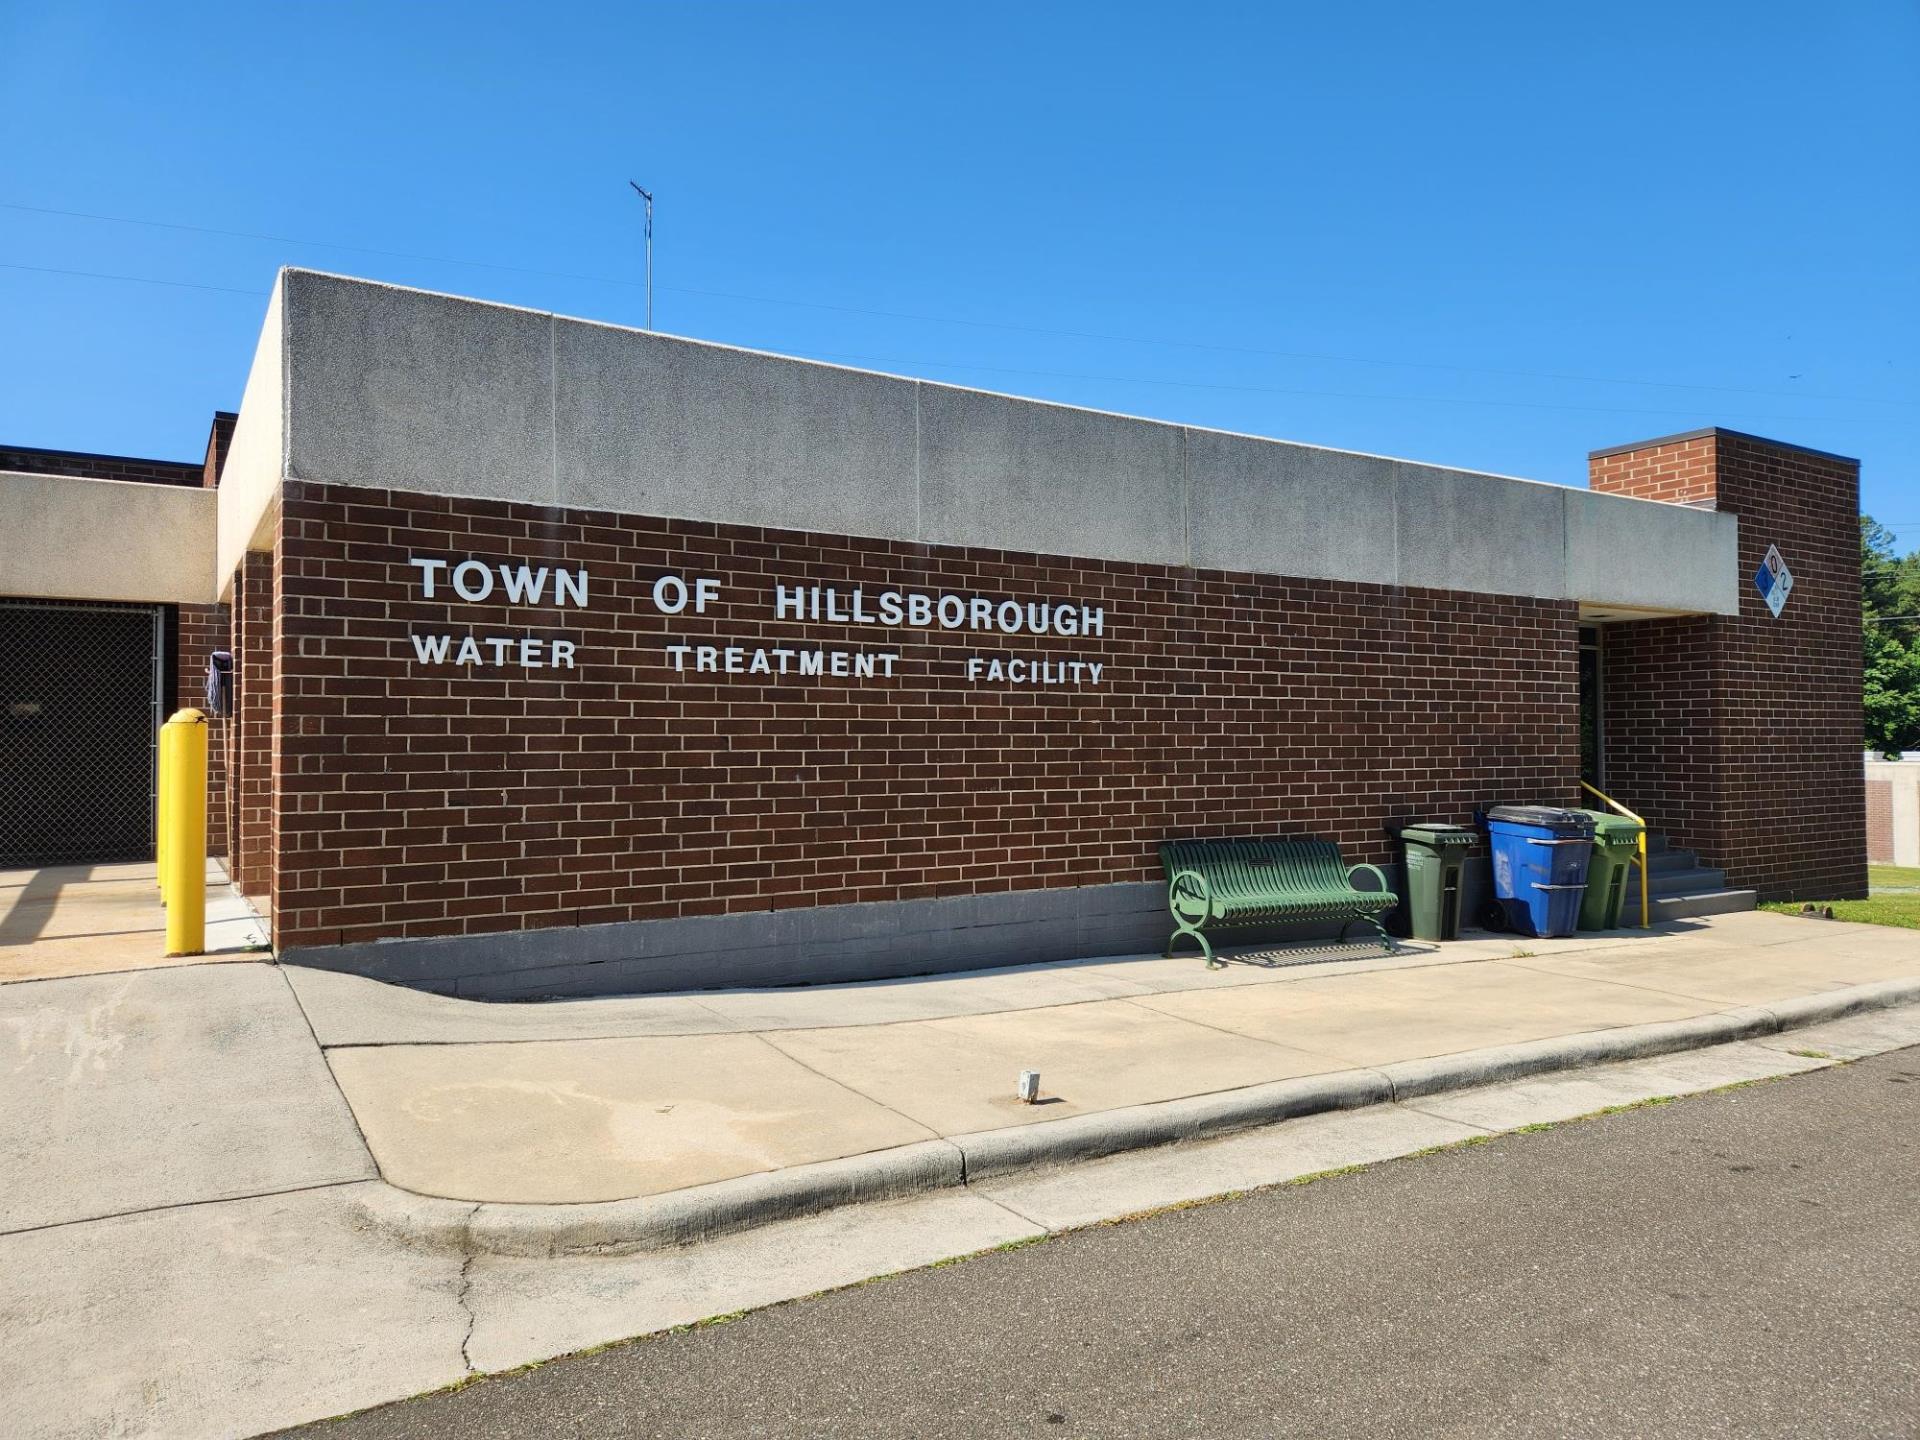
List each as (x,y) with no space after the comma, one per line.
(1640,858)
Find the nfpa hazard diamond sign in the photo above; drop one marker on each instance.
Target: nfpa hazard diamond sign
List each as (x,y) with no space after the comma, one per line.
(1774,581)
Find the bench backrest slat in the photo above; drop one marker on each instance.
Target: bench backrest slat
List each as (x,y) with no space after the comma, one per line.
(1243,867)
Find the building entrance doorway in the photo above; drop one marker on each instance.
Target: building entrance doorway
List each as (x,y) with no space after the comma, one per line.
(80,713)
(1592,718)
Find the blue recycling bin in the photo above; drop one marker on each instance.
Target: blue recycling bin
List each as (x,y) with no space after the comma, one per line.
(1539,868)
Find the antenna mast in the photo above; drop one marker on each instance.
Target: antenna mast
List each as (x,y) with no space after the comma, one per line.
(647,195)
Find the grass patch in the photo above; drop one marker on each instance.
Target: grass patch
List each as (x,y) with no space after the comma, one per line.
(1326,1174)
(1893,898)
(1649,1102)
(709,1323)
(1811,1054)
(1890,909)
(1451,1145)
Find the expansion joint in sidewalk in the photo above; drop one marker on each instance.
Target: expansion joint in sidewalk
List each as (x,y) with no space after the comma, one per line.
(766,1039)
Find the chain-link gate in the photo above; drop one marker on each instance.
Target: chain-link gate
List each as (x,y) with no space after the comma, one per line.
(81,701)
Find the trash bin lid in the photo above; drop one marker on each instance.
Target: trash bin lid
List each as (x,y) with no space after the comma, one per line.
(1614,829)
(1438,835)
(1544,817)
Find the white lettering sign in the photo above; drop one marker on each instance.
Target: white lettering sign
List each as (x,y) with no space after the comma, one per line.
(473,580)
(950,612)
(780,660)
(1020,670)
(477,581)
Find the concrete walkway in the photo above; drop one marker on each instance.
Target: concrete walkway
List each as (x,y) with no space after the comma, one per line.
(190,1233)
(92,919)
(599,1100)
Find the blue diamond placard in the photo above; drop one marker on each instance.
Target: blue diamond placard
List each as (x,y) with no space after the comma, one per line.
(1774,581)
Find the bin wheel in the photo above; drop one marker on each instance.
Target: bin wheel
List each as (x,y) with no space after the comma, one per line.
(1493,916)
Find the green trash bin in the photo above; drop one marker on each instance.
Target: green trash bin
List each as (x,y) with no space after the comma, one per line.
(1616,840)
(1435,855)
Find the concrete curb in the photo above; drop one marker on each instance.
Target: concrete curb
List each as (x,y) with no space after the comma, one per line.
(1492,1066)
(702,1212)
(658,1222)
(1138,1127)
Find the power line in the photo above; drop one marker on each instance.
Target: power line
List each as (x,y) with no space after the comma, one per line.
(1102,336)
(133,279)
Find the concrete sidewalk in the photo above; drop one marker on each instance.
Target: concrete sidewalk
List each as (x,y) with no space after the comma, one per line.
(195,1238)
(95,919)
(577,1102)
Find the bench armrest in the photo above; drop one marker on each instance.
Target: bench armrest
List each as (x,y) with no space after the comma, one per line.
(1191,885)
(1195,880)
(1374,870)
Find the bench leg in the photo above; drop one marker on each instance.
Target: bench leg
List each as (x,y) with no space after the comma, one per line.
(1206,948)
(1393,946)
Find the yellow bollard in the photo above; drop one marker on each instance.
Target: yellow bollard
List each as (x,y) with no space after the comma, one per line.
(184,840)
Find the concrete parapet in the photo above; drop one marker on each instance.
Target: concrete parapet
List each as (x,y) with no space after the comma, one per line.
(400,389)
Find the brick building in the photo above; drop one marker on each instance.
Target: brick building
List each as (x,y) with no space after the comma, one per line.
(573,658)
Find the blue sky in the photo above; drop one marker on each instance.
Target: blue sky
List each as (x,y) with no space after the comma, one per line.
(1489,235)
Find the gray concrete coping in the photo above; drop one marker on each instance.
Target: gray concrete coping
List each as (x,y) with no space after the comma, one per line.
(369,384)
(702,1212)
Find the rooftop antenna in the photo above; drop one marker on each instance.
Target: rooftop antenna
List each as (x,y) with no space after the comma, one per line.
(647,195)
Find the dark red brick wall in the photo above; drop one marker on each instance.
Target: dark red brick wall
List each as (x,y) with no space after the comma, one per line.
(219,441)
(85,465)
(252,725)
(1680,471)
(99,467)
(415,800)
(1792,719)
(1659,733)
(202,630)
(1742,736)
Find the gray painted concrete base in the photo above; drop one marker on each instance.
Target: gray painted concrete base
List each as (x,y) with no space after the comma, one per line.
(825,944)
(811,945)
(658,1222)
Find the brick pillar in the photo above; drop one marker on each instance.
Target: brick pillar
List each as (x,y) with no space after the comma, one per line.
(1741,736)
(230,732)
(253,723)
(219,441)
(203,629)
(278,807)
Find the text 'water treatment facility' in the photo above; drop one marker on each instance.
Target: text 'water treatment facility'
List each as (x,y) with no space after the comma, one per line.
(571,658)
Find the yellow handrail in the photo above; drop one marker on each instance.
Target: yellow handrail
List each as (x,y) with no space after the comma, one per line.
(1640,859)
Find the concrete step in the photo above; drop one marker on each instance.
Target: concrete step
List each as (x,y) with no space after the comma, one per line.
(1696,881)
(1662,860)
(1681,907)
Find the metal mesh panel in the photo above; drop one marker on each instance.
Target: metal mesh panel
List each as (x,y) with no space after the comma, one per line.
(80,709)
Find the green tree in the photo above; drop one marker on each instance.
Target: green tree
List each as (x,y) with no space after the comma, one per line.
(1890,640)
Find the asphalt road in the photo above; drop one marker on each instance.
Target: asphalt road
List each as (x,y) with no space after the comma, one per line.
(1740,1264)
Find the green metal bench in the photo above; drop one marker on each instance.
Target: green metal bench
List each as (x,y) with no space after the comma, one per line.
(1220,883)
